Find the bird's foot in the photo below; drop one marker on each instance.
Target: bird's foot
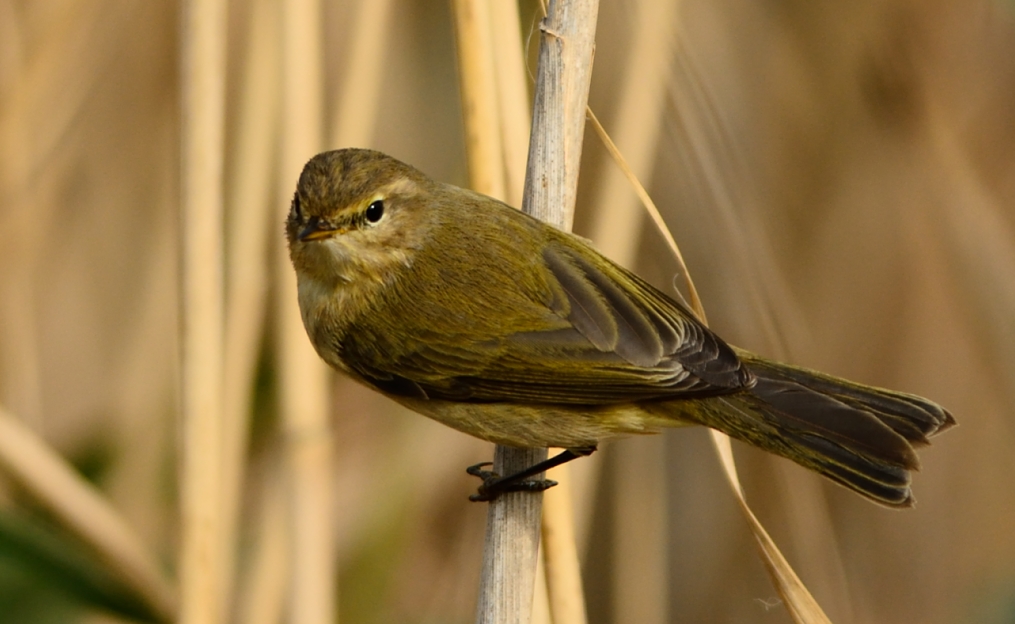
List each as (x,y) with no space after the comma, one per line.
(494,485)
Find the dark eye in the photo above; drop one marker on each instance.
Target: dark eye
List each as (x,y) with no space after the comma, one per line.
(375,211)
(295,209)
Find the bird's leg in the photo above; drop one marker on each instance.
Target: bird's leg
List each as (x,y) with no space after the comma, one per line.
(494,485)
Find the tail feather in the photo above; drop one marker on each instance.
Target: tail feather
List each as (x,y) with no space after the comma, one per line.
(882,483)
(858,436)
(913,417)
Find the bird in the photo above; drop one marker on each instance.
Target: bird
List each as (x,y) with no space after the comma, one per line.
(470,312)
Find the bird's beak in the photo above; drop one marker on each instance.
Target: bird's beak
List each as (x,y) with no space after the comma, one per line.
(317,229)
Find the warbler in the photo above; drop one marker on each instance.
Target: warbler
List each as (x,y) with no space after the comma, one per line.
(468,311)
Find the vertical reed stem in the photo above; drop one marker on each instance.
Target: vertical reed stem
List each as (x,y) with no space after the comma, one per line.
(558,115)
(560,552)
(562,85)
(477,71)
(304,377)
(254,218)
(204,37)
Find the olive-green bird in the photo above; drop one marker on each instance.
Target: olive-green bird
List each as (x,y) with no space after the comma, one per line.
(470,312)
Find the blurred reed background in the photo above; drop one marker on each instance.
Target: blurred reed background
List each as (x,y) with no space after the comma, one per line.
(841,179)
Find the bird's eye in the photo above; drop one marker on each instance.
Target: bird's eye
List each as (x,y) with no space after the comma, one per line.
(375,211)
(295,209)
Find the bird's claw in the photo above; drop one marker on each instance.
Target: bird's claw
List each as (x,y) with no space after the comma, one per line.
(494,485)
(477,471)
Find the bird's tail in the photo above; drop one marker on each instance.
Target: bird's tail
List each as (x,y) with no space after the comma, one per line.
(856,435)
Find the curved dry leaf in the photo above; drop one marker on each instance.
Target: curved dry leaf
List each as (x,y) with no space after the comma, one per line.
(798,600)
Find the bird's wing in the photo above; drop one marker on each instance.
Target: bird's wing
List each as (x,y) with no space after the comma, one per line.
(603,336)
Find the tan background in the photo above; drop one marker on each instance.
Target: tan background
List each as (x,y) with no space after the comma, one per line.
(841,178)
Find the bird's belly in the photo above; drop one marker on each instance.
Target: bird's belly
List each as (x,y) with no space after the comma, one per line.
(537,426)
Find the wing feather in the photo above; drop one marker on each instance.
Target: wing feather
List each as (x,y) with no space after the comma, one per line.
(595,334)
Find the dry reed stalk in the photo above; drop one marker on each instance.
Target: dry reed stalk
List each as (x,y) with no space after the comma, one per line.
(512,528)
(617,221)
(84,511)
(513,95)
(477,71)
(204,39)
(640,570)
(798,600)
(560,552)
(559,583)
(566,50)
(304,387)
(353,124)
(511,545)
(562,84)
(262,598)
(541,597)
(640,564)
(249,202)
(358,101)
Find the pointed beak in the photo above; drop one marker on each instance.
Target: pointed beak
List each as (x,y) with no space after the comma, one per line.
(317,229)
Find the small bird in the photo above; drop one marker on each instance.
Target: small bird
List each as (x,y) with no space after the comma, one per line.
(468,311)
